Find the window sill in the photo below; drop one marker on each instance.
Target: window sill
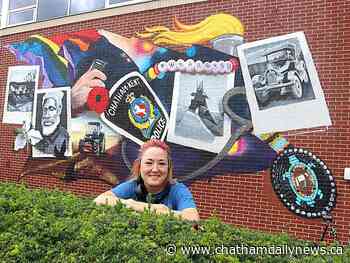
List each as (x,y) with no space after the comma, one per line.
(127,9)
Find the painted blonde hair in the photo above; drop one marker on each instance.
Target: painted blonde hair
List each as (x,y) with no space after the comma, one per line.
(200,33)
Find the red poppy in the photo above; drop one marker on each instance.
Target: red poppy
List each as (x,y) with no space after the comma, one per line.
(98,99)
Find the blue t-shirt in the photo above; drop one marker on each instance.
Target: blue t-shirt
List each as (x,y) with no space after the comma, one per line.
(179,196)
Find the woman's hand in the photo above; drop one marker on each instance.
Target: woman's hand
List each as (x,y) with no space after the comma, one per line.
(141,206)
(106,198)
(190,214)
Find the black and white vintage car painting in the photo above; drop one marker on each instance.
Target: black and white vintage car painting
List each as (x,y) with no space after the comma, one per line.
(282,85)
(281,75)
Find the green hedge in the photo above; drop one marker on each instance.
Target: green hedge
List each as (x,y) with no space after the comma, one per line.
(51,226)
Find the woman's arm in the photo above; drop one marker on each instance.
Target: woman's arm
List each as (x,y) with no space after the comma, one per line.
(106,198)
(109,198)
(190,214)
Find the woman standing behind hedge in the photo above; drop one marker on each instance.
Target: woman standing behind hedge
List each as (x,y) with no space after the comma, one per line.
(152,181)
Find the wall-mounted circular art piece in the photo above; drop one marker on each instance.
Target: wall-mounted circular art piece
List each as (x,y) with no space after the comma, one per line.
(304,183)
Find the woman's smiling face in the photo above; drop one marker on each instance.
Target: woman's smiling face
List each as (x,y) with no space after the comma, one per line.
(154,169)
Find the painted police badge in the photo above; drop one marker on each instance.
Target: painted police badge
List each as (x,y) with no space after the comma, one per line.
(142,113)
(135,111)
(303,183)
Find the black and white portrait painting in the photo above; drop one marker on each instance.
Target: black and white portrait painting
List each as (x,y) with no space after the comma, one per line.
(51,117)
(22,81)
(282,85)
(197,118)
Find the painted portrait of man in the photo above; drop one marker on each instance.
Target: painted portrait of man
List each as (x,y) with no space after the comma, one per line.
(51,120)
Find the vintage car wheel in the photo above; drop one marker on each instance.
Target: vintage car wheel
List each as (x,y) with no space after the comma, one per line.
(297,87)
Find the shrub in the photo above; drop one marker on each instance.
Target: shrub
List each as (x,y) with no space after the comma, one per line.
(52,226)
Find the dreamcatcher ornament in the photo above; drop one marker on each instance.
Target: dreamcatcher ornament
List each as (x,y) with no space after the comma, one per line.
(303,183)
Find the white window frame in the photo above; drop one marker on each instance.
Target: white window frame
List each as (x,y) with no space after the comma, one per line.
(69,7)
(131,2)
(36,17)
(17,10)
(6,12)
(112,10)
(3,19)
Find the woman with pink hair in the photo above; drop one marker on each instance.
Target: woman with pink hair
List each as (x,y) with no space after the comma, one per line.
(152,182)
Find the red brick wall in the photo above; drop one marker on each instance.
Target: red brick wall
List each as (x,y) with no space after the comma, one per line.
(240,199)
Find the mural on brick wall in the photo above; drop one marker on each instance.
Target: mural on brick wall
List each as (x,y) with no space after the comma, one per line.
(125,91)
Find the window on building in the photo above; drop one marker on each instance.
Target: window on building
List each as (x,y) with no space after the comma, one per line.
(81,6)
(20,17)
(46,10)
(21,11)
(16,12)
(16,4)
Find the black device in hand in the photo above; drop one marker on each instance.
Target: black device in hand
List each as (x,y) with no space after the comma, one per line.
(98,64)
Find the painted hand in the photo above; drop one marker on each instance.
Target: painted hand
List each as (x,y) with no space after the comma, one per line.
(82,87)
